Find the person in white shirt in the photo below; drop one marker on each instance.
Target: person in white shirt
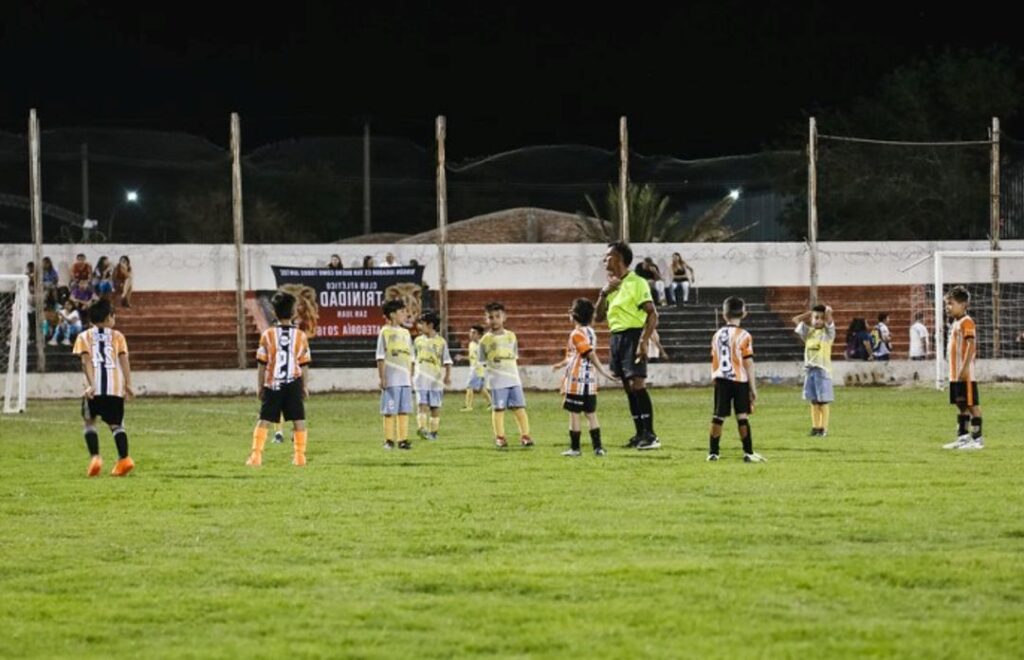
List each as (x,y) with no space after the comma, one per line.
(919,348)
(70,325)
(389,261)
(881,338)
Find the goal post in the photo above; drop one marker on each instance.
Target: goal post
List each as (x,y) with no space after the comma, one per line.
(14,308)
(995,304)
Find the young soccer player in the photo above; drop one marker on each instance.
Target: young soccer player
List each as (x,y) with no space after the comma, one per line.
(282,378)
(477,374)
(431,359)
(394,366)
(961,350)
(307,316)
(732,367)
(499,352)
(818,338)
(579,385)
(108,384)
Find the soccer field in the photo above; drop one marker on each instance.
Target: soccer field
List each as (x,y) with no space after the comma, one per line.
(873,541)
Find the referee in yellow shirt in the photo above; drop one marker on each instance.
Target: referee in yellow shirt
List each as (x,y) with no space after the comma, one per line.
(627,305)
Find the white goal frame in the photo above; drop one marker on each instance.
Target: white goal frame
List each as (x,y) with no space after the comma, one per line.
(17,357)
(939,256)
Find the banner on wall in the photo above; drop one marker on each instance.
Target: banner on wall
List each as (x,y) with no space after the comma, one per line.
(350,298)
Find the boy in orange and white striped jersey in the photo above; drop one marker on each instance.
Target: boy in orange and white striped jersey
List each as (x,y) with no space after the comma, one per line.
(108,377)
(282,377)
(961,350)
(579,385)
(732,367)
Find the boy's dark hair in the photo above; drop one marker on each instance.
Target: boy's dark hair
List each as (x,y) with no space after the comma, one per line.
(582,311)
(100,311)
(732,307)
(494,307)
(622,249)
(479,329)
(80,254)
(919,316)
(284,305)
(391,306)
(959,294)
(883,316)
(431,317)
(819,308)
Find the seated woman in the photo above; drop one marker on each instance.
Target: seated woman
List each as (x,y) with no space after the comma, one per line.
(122,278)
(858,341)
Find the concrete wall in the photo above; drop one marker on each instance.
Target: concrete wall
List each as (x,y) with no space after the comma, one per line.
(211,267)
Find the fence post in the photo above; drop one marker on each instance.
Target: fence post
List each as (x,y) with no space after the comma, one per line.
(624,179)
(36,186)
(812,206)
(994,233)
(442,225)
(236,215)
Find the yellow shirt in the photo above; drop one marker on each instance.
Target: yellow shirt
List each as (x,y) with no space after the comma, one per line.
(499,355)
(431,357)
(817,345)
(394,346)
(474,359)
(626,303)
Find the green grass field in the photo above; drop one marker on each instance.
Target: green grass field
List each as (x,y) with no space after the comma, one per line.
(873,541)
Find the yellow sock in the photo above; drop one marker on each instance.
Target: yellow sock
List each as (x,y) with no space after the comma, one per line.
(421,420)
(824,417)
(389,428)
(259,438)
(403,427)
(522,421)
(300,442)
(435,424)
(815,416)
(498,422)
(469,398)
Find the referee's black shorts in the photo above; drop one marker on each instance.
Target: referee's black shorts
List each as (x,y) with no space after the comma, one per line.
(286,400)
(730,396)
(624,347)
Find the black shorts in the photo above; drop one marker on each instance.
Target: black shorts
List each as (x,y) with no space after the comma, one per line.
(729,396)
(960,393)
(580,403)
(624,347)
(108,408)
(287,400)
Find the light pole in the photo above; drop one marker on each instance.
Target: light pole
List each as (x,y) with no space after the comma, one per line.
(130,197)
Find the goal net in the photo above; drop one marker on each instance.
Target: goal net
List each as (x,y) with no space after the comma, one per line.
(14,306)
(995,281)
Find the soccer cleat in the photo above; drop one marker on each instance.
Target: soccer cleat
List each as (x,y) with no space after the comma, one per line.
(822,433)
(813,433)
(631,443)
(600,451)
(712,458)
(571,452)
(404,444)
(389,444)
(649,441)
(423,434)
(278,438)
(973,443)
(465,410)
(526,441)
(432,435)
(959,442)
(255,459)
(299,460)
(95,465)
(123,467)
(754,458)
(500,442)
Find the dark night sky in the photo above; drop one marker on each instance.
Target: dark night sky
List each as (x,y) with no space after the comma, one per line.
(696,79)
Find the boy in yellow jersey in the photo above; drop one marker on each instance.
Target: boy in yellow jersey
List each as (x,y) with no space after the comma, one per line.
(432,369)
(579,385)
(394,366)
(477,373)
(499,352)
(282,378)
(818,338)
(961,351)
(732,367)
(108,384)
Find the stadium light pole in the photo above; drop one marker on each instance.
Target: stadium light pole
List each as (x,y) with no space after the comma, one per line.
(624,179)
(130,197)
(36,188)
(812,206)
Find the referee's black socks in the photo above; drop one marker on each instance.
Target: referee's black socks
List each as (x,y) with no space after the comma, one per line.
(645,409)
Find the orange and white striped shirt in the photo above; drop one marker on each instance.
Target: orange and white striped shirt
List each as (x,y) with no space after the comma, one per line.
(580,376)
(961,368)
(285,350)
(730,345)
(104,346)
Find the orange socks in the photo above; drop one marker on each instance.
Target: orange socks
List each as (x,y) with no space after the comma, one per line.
(259,439)
(300,448)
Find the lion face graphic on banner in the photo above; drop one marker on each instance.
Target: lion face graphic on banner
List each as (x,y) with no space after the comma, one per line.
(409,293)
(307,311)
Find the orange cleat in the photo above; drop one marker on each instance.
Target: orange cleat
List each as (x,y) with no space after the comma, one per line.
(123,467)
(255,459)
(95,465)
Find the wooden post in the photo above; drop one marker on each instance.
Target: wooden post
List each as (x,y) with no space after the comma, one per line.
(366,177)
(36,188)
(623,179)
(442,225)
(994,235)
(812,206)
(85,181)
(236,215)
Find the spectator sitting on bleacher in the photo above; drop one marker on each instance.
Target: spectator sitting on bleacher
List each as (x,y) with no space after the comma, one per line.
(30,270)
(69,327)
(103,278)
(123,280)
(82,295)
(881,338)
(335,262)
(858,341)
(80,269)
(368,262)
(390,261)
(51,279)
(51,318)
